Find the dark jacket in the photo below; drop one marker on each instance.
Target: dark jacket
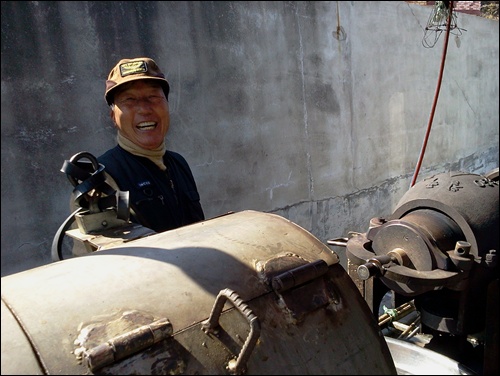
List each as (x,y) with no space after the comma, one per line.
(161,200)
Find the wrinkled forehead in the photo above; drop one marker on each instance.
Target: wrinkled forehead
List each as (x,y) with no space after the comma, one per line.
(138,84)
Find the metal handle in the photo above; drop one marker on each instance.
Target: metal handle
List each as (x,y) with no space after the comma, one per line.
(238,365)
(76,173)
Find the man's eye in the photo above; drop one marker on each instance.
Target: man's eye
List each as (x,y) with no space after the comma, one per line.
(133,102)
(154,99)
(129,101)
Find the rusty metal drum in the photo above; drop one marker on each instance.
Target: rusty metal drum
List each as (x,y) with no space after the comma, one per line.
(244,293)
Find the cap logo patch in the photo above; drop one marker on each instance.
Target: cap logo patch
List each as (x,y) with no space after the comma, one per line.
(134,67)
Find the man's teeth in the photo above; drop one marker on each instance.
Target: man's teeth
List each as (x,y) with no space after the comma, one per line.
(146,125)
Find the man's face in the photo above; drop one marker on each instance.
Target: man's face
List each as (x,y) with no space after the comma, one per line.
(141,113)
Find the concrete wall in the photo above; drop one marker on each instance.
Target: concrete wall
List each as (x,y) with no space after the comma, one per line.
(313,110)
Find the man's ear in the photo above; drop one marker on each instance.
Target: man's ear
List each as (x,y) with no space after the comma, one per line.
(112,116)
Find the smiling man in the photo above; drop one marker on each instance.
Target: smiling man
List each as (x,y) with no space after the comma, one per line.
(162,191)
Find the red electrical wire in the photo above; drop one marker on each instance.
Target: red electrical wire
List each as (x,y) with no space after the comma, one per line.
(436,95)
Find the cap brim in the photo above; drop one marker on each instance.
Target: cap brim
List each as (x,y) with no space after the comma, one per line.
(108,95)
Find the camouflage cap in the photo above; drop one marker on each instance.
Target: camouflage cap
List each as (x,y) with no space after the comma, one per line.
(128,70)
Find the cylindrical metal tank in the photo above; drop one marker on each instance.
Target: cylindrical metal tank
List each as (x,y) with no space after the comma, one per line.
(244,293)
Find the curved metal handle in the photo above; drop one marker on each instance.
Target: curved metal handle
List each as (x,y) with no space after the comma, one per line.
(76,158)
(238,365)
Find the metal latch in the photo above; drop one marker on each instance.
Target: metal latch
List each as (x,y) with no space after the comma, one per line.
(299,275)
(126,344)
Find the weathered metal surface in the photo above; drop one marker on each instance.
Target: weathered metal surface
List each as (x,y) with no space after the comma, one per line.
(18,357)
(440,229)
(411,359)
(439,247)
(319,325)
(470,200)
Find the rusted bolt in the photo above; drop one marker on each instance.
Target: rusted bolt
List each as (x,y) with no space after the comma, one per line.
(491,258)
(462,248)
